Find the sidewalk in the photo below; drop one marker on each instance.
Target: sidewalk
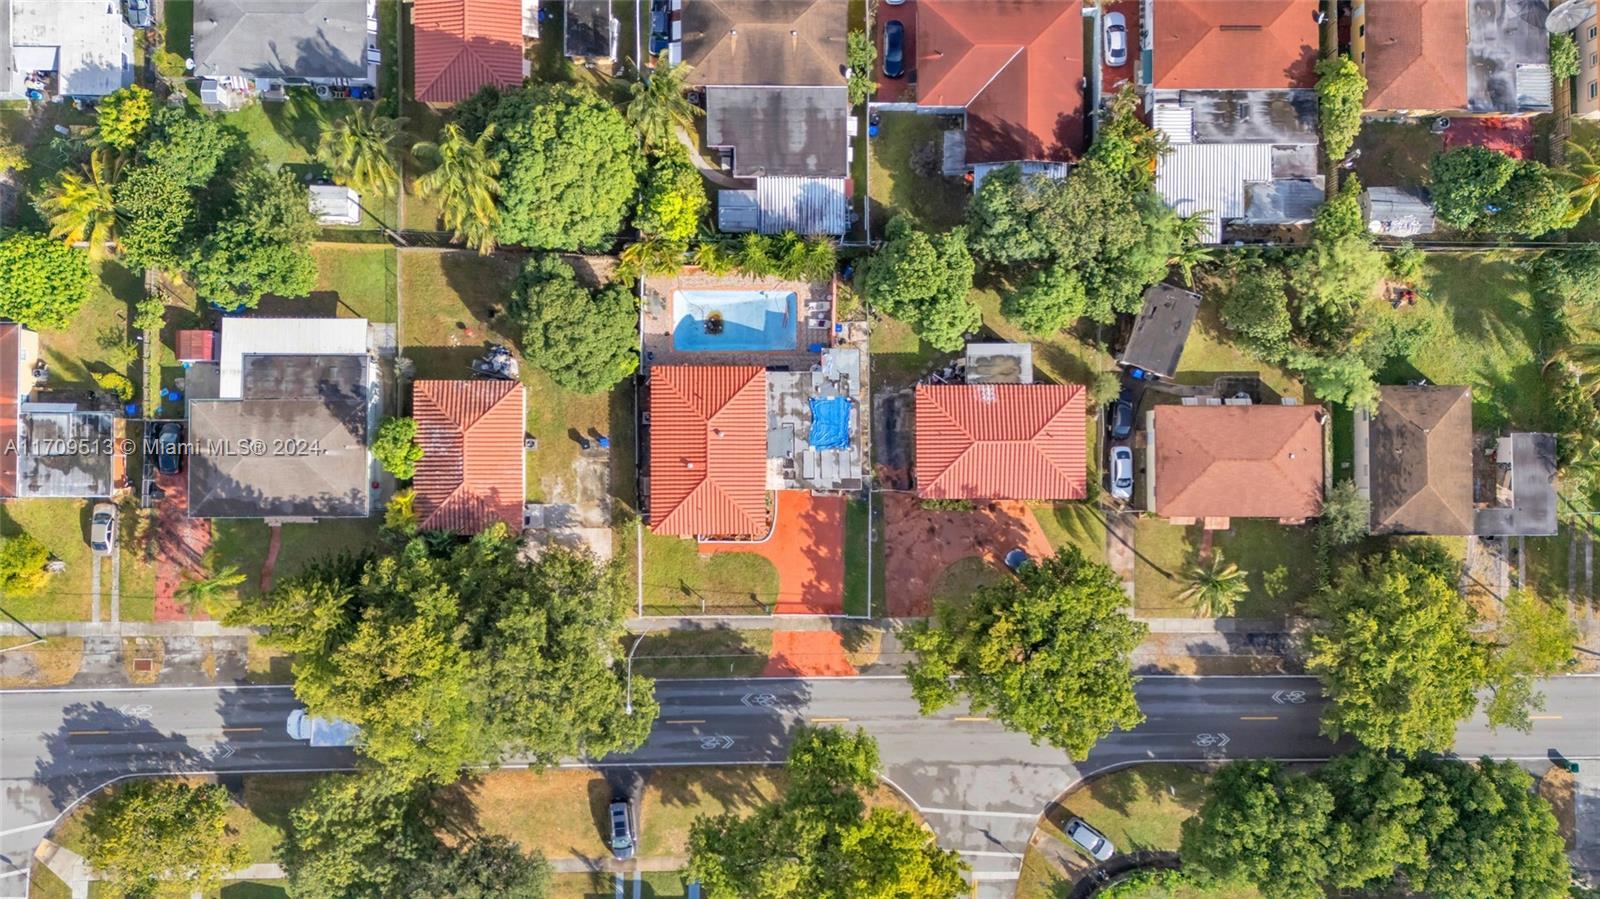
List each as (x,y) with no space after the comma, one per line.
(75,872)
(126,629)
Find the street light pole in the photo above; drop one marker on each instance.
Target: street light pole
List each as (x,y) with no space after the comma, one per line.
(629,705)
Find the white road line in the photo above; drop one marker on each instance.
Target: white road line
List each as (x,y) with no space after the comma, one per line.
(978,813)
(178,689)
(25,827)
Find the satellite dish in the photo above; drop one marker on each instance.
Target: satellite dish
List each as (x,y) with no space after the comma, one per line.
(1569,15)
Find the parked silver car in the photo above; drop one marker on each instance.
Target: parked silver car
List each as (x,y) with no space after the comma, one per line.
(1093,841)
(1121,472)
(103,528)
(1116,39)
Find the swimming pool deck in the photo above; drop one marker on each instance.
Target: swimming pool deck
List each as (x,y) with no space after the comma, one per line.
(815,300)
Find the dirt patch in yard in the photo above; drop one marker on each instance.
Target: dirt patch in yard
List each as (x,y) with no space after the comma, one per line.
(1557,788)
(49,664)
(919,544)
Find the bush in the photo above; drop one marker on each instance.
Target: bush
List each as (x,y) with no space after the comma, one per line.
(1341,94)
(1405,262)
(114,382)
(22,561)
(1564,61)
(1256,308)
(860,53)
(396,449)
(1049,300)
(42,281)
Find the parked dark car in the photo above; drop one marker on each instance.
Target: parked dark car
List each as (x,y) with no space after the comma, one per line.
(1119,416)
(139,14)
(894,50)
(169,459)
(621,829)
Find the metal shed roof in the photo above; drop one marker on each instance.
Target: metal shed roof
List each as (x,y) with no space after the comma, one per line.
(1210,179)
(808,206)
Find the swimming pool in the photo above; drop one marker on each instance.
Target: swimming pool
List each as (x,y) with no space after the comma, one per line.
(709,321)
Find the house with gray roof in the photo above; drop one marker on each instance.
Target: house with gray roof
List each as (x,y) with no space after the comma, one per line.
(263,46)
(71,48)
(795,143)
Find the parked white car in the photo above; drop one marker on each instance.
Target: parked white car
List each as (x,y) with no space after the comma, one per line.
(1116,33)
(1093,841)
(1122,472)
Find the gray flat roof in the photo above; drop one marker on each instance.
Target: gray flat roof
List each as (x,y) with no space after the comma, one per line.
(1285,201)
(295,445)
(780,130)
(1161,329)
(1503,36)
(1253,116)
(1532,512)
(66,453)
(281,38)
(588,28)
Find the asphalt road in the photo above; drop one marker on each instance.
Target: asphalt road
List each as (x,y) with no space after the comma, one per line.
(981,787)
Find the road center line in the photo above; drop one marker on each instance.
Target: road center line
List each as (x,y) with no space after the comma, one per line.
(1258,717)
(87,733)
(970,718)
(829,720)
(1544,717)
(241,730)
(685,721)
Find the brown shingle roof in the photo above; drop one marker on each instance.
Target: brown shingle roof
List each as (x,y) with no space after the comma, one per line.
(1015,65)
(1421,461)
(1235,44)
(765,42)
(1000,441)
(708,450)
(463,45)
(1417,54)
(472,469)
(1238,461)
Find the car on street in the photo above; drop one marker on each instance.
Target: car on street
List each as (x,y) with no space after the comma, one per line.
(1121,472)
(103,528)
(1093,841)
(168,458)
(1116,37)
(894,50)
(1119,417)
(621,829)
(320,731)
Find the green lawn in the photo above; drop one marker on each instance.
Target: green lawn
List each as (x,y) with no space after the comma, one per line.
(353,281)
(855,561)
(256,889)
(178,19)
(898,356)
(1207,355)
(656,885)
(1164,551)
(1484,335)
(454,306)
(44,159)
(62,525)
(713,652)
(98,338)
(678,580)
(893,187)
(1076,524)
(961,578)
(44,884)
(1394,154)
(243,542)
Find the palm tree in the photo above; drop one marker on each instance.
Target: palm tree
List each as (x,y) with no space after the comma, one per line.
(1583,173)
(657,106)
(1214,588)
(210,591)
(359,150)
(650,256)
(1583,361)
(1191,252)
(79,205)
(465,179)
(711,257)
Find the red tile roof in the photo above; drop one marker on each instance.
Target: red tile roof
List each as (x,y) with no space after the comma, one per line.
(197,345)
(462,45)
(10,404)
(1235,44)
(708,450)
(1001,441)
(1417,54)
(1238,461)
(1015,65)
(472,469)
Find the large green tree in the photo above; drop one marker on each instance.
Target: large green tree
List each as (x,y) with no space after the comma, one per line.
(1255,307)
(161,838)
(123,116)
(923,279)
(1395,654)
(158,214)
(1263,825)
(674,199)
(1478,189)
(818,839)
(585,340)
(569,168)
(1124,145)
(452,660)
(260,243)
(465,179)
(362,836)
(1048,300)
(1341,96)
(42,282)
(1045,652)
(1533,639)
(79,204)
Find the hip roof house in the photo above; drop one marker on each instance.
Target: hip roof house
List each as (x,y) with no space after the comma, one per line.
(1000,441)
(1488,57)
(461,46)
(708,450)
(1420,461)
(1213,463)
(472,472)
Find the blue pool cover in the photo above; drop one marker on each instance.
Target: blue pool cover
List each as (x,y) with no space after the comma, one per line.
(830,422)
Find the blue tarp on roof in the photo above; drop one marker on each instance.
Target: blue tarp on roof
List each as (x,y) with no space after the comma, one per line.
(830,422)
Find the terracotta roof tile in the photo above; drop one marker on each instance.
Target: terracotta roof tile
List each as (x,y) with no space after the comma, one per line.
(472,469)
(1238,461)
(1417,54)
(1001,441)
(197,345)
(1235,44)
(463,45)
(1016,65)
(708,450)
